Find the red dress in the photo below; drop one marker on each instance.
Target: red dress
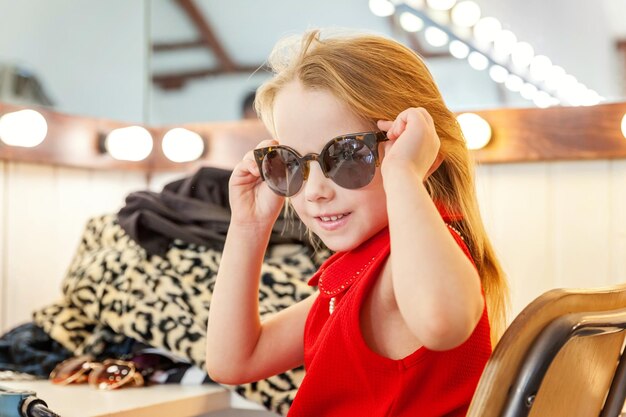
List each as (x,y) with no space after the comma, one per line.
(344,377)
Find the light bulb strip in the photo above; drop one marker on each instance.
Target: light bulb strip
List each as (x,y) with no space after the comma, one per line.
(401,7)
(472,47)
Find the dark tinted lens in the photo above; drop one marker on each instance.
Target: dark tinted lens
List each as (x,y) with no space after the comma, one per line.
(350,163)
(282,172)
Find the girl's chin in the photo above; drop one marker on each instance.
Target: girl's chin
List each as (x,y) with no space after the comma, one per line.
(339,243)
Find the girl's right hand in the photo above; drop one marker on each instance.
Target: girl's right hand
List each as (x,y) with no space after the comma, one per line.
(252,203)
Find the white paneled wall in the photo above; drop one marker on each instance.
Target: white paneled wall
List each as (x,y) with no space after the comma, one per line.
(45,211)
(559,224)
(618,225)
(2,248)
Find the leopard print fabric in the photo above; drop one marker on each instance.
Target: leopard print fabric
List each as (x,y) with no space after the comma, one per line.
(112,284)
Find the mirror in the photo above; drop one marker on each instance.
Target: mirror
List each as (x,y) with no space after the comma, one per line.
(247,30)
(85,57)
(157,62)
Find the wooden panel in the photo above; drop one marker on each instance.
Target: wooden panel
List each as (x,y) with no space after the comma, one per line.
(82,194)
(109,190)
(73,189)
(48,208)
(483,195)
(558,133)
(31,233)
(581,218)
(71,141)
(618,222)
(555,225)
(3,246)
(520,135)
(522,231)
(158,181)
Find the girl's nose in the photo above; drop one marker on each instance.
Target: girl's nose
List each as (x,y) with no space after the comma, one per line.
(317,186)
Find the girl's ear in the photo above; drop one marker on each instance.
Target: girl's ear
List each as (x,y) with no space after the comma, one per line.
(435,165)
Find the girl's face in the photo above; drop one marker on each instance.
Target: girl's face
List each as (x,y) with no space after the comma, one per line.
(306,120)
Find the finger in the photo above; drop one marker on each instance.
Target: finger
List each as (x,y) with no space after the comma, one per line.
(426,115)
(413,121)
(267,142)
(252,167)
(384,125)
(248,165)
(398,127)
(249,156)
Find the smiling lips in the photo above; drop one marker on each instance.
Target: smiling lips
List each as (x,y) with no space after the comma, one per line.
(333,221)
(329,218)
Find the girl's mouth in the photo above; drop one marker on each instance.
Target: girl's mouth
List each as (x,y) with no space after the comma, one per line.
(332,221)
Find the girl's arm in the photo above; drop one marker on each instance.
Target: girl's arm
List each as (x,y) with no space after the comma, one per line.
(240,348)
(436,287)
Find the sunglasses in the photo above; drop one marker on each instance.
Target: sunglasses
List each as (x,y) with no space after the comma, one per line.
(350,161)
(107,375)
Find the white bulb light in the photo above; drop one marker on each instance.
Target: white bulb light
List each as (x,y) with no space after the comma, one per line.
(514,83)
(567,85)
(478,61)
(528,91)
(522,54)
(555,77)
(435,36)
(440,4)
(24,128)
(591,98)
(540,67)
(498,73)
(504,42)
(416,4)
(487,29)
(624,125)
(133,143)
(382,8)
(577,94)
(182,145)
(466,14)
(543,99)
(459,49)
(410,22)
(476,130)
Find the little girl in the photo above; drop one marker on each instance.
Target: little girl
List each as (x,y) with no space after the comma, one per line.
(376,166)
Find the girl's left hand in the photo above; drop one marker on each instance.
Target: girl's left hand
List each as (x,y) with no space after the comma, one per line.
(413,142)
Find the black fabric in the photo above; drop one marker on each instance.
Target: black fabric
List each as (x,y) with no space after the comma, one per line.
(28,349)
(195,210)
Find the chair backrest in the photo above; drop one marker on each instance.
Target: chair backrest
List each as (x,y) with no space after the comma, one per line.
(558,358)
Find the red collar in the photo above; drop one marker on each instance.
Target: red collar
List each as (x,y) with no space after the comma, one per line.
(342,269)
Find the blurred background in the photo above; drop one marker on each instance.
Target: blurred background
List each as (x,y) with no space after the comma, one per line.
(176,61)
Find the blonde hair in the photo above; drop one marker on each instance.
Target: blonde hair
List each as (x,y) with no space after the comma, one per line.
(378,78)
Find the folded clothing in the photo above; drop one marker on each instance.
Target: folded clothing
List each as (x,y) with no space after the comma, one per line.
(112,283)
(28,349)
(194,210)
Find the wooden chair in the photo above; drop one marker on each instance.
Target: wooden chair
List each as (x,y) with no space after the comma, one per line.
(561,356)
